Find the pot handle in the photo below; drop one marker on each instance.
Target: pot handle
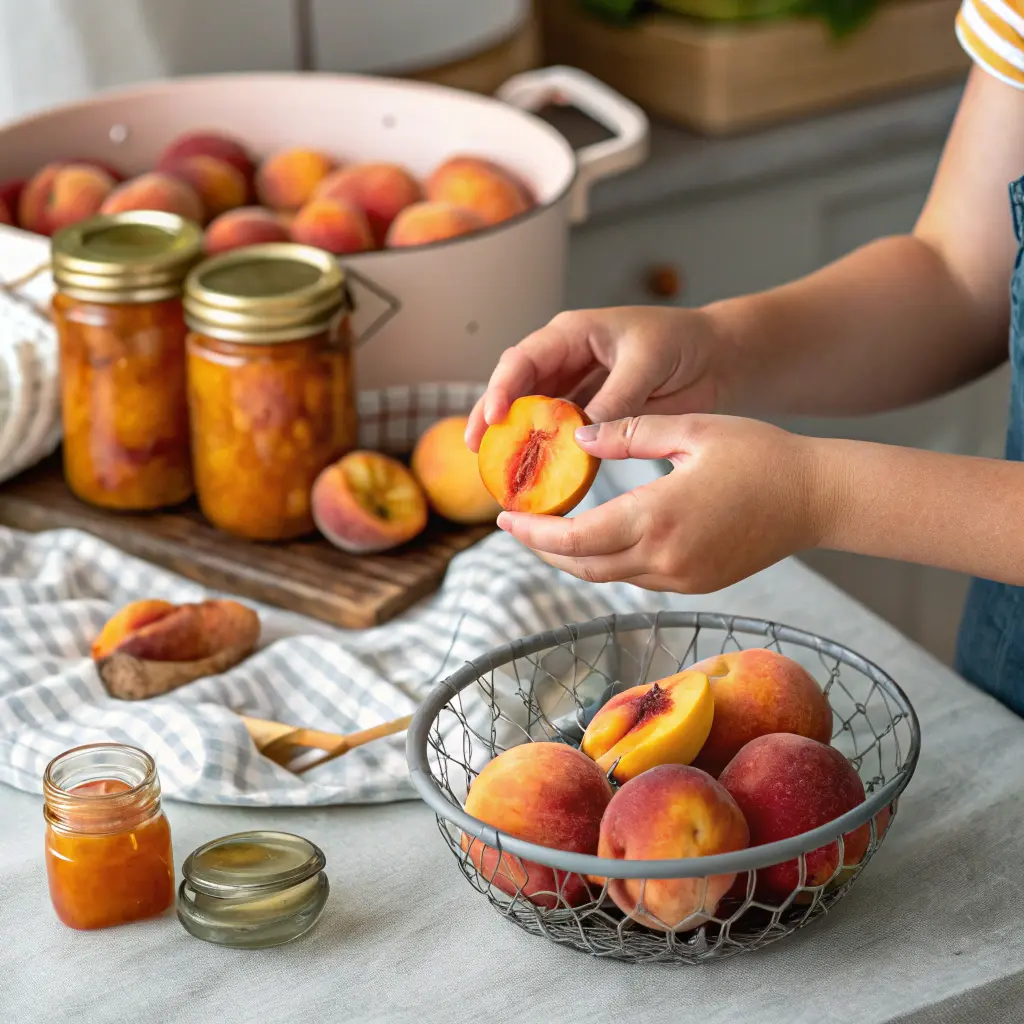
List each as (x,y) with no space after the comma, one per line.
(568,86)
(391,304)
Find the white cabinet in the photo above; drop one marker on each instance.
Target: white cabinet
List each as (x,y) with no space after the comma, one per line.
(723,245)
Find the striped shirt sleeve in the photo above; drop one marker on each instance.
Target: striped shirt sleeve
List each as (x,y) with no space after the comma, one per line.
(992,33)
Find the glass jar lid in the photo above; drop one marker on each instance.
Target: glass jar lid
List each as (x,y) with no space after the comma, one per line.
(251,863)
(136,256)
(267,293)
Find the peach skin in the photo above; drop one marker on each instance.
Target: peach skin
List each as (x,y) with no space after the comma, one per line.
(380,191)
(449,474)
(287,180)
(544,793)
(481,186)
(368,502)
(33,201)
(333,225)
(215,144)
(428,222)
(151,647)
(248,225)
(757,692)
(530,462)
(670,812)
(156,191)
(219,185)
(665,722)
(787,785)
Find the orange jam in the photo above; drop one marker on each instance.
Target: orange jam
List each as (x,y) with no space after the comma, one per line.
(266,419)
(270,384)
(118,314)
(108,843)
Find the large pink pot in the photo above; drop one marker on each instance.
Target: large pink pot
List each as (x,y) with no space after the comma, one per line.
(461,302)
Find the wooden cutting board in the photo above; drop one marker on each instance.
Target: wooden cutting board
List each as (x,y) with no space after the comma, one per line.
(308,576)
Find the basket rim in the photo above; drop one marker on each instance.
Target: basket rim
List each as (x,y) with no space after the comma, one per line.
(752,858)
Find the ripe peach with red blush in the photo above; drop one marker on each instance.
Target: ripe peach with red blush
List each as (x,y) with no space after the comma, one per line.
(530,462)
(368,502)
(287,180)
(479,185)
(670,812)
(381,191)
(248,225)
(332,224)
(156,191)
(544,793)
(428,222)
(209,143)
(757,692)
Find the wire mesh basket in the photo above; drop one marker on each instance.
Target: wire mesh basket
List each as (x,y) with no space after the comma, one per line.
(548,686)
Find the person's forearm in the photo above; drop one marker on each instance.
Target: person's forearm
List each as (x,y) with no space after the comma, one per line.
(949,511)
(887,326)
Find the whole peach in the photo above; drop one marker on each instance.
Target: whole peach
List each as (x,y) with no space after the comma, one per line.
(220,186)
(287,180)
(448,472)
(33,204)
(544,793)
(787,785)
(381,191)
(156,191)
(424,223)
(757,692)
(77,191)
(670,812)
(209,143)
(332,224)
(479,185)
(248,225)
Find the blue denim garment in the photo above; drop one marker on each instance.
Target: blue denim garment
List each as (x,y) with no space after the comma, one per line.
(990,645)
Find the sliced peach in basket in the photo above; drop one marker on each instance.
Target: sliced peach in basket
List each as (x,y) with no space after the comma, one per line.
(368,502)
(658,723)
(530,462)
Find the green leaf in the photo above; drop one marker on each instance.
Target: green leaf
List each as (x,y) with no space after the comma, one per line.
(841,16)
(619,12)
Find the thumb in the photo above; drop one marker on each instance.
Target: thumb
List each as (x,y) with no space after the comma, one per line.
(637,437)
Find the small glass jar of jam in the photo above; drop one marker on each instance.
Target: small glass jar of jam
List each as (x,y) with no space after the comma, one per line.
(117,310)
(270,384)
(108,844)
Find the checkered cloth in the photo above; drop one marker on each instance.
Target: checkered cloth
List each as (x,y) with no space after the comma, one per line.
(58,588)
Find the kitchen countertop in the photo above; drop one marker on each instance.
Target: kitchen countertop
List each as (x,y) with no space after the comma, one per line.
(682,165)
(930,934)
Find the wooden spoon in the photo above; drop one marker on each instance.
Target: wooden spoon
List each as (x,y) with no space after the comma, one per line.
(281,742)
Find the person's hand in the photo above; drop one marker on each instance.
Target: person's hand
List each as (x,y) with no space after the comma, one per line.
(742,495)
(614,362)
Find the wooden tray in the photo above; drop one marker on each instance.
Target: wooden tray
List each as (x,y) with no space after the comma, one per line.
(309,576)
(723,78)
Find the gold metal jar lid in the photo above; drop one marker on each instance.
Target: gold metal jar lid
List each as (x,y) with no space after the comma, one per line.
(137,256)
(263,294)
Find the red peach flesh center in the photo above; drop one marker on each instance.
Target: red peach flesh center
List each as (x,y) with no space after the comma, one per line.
(525,466)
(654,702)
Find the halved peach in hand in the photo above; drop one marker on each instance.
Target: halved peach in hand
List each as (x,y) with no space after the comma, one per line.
(658,723)
(368,502)
(151,647)
(530,462)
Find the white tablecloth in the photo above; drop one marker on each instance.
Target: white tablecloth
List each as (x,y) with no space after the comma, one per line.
(931,933)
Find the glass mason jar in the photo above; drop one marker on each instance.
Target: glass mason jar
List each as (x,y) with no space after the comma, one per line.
(108,843)
(270,384)
(117,310)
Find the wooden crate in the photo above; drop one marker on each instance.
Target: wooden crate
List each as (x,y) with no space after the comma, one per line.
(723,78)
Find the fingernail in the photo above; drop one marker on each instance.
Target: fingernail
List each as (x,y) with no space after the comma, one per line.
(504,521)
(587,434)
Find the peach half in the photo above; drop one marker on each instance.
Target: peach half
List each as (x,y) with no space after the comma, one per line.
(658,723)
(530,462)
(544,793)
(368,502)
(757,692)
(670,812)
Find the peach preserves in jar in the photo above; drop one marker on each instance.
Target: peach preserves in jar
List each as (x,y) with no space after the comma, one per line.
(270,385)
(117,310)
(108,844)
